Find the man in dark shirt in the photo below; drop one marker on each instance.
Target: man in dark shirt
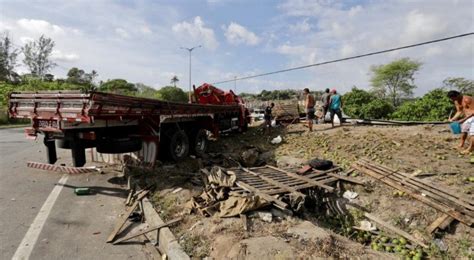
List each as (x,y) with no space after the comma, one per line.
(325,100)
(268,117)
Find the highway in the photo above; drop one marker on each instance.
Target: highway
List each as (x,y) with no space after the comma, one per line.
(41,219)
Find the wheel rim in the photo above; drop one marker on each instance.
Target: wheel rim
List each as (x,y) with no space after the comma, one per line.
(179,150)
(200,144)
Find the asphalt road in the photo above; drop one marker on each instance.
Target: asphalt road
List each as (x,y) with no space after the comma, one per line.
(76,227)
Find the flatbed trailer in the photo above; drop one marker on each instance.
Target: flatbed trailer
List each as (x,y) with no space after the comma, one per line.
(113,123)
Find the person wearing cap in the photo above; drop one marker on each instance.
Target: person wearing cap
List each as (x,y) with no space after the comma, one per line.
(335,105)
(309,103)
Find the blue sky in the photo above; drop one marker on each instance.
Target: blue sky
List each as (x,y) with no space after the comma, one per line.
(140,40)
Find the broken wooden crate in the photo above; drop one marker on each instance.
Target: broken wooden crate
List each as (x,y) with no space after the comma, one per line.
(268,181)
(454,205)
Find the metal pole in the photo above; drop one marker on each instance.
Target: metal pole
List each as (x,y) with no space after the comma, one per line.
(190,50)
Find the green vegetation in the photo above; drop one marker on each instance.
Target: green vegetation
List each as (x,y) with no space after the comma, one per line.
(359,103)
(434,106)
(395,80)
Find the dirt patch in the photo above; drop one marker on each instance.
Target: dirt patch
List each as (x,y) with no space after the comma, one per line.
(428,149)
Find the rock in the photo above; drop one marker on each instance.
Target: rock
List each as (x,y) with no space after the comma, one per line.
(308,231)
(264,215)
(249,157)
(265,156)
(259,248)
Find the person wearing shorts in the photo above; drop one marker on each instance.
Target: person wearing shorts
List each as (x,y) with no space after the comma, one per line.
(464,106)
(309,103)
(335,105)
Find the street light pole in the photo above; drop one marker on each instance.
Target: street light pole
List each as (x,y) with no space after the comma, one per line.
(190,50)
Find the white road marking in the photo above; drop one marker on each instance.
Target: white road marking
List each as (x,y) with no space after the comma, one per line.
(27,244)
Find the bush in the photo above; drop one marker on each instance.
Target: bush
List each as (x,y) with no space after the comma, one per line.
(377,109)
(170,93)
(433,106)
(359,103)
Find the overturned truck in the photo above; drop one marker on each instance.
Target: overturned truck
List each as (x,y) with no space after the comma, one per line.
(113,123)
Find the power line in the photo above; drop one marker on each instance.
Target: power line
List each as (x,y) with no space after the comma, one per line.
(348,58)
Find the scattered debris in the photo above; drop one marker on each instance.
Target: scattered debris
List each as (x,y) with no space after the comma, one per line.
(350,195)
(148,230)
(277,140)
(82,191)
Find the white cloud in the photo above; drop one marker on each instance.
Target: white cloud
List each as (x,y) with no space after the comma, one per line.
(291,50)
(146,30)
(237,34)
(347,50)
(122,33)
(197,32)
(421,26)
(58,55)
(39,26)
(301,27)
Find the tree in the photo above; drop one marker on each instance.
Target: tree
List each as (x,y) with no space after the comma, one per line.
(8,56)
(170,93)
(79,77)
(433,106)
(395,80)
(118,86)
(465,86)
(37,56)
(145,91)
(359,103)
(174,80)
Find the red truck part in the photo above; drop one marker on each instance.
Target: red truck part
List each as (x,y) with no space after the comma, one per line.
(113,123)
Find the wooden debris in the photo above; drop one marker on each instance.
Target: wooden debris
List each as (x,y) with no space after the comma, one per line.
(244,219)
(395,229)
(440,223)
(169,223)
(125,216)
(440,198)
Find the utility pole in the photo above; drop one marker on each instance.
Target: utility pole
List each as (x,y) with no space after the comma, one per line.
(190,50)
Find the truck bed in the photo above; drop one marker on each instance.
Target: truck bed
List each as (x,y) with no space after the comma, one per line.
(87,107)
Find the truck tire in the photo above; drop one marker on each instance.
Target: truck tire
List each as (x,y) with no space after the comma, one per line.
(78,153)
(178,147)
(114,146)
(199,142)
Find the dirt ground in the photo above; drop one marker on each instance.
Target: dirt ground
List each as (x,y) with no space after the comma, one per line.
(429,149)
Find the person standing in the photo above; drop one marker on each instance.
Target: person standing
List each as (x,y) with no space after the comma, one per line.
(335,105)
(464,106)
(309,103)
(325,100)
(267,116)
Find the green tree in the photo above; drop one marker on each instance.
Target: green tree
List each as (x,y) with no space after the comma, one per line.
(355,100)
(37,56)
(118,86)
(433,106)
(395,80)
(465,86)
(80,77)
(174,80)
(377,109)
(145,91)
(170,93)
(8,56)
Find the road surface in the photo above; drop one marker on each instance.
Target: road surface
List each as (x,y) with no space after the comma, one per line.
(42,220)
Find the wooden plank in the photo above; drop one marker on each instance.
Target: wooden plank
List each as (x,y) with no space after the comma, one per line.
(280,204)
(346,178)
(395,229)
(433,226)
(452,202)
(276,183)
(243,217)
(319,172)
(304,178)
(125,216)
(446,223)
(148,230)
(421,198)
(444,189)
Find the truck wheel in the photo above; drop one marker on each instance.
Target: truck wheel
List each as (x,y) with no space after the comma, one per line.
(200,142)
(78,154)
(179,146)
(114,146)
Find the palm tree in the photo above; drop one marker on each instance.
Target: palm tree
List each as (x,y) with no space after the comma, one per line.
(174,80)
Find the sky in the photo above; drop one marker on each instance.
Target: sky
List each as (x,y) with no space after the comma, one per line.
(141,41)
